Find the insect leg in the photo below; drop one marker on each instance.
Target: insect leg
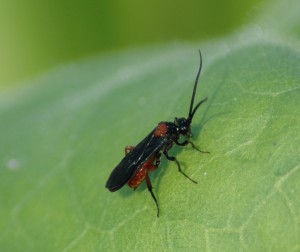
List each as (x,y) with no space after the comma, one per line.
(179,168)
(157,159)
(186,142)
(149,186)
(196,148)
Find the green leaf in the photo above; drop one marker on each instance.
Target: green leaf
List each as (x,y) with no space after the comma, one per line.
(64,132)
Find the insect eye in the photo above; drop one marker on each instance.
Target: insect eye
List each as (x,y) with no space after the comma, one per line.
(183,129)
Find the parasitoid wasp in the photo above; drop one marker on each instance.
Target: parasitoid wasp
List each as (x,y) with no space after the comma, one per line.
(134,168)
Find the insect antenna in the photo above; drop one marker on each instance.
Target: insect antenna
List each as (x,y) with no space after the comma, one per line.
(193,111)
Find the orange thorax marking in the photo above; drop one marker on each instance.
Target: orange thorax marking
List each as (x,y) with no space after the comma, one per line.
(161,130)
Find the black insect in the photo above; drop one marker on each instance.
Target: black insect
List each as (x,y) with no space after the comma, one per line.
(134,168)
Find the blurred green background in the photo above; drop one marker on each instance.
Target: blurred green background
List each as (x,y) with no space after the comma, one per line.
(36,35)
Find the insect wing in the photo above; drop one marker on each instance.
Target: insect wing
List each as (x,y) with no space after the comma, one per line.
(135,159)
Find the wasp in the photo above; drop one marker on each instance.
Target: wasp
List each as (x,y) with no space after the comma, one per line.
(145,157)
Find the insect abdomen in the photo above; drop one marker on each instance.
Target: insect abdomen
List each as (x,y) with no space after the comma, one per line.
(140,176)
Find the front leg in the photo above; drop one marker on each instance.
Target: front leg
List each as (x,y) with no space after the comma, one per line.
(186,142)
(179,168)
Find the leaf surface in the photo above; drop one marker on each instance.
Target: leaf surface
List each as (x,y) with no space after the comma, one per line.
(64,132)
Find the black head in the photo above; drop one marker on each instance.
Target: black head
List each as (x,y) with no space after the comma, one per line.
(184,125)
